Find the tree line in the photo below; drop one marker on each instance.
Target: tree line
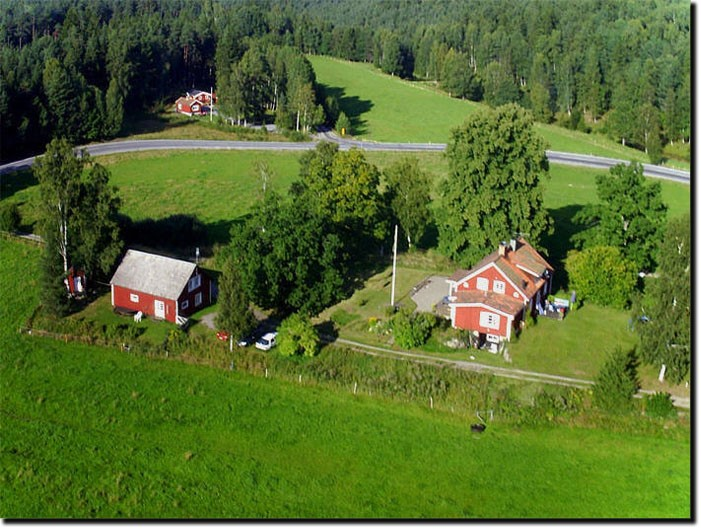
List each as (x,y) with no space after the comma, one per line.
(622,67)
(78,68)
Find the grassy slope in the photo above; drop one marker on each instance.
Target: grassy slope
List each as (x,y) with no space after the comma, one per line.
(383,108)
(89,432)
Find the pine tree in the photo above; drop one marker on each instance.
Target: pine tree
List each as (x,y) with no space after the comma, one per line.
(235,315)
(617,381)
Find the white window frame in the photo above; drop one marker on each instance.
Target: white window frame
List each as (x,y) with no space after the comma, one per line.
(194,283)
(493,338)
(499,286)
(198,299)
(184,304)
(489,320)
(134,298)
(482,283)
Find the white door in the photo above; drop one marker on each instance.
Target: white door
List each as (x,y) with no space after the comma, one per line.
(159,309)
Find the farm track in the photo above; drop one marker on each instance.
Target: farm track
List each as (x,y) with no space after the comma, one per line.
(556,157)
(504,372)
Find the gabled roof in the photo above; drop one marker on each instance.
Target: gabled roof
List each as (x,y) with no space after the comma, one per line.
(524,267)
(153,274)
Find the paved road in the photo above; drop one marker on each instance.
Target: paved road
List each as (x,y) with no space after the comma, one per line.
(504,372)
(344,144)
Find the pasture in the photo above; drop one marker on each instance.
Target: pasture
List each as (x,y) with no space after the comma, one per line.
(386,108)
(90,432)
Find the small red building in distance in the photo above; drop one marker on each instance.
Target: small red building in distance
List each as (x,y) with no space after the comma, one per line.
(196,102)
(493,298)
(161,287)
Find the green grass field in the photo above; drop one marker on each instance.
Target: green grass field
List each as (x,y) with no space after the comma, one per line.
(385,108)
(94,433)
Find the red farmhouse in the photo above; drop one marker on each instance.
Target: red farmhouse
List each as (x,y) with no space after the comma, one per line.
(493,298)
(162,287)
(196,102)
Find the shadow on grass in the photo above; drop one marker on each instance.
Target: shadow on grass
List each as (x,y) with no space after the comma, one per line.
(15,182)
(560,242)
(352,106)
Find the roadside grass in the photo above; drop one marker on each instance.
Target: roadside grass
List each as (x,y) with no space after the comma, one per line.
(386,108)
(171,125)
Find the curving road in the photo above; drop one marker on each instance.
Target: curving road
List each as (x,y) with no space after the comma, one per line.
(556,157)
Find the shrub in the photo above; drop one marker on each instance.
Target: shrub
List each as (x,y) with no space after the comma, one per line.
(298,336)
(9,217)
(602,275)
(617,382)
(659,405)
(412,329)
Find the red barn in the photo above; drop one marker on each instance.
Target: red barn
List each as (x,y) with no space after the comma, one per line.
(493,298)
(161,287)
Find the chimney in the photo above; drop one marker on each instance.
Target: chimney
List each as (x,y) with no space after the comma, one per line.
(502,249)
(513,245)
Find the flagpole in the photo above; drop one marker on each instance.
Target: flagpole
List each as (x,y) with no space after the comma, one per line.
(394,263)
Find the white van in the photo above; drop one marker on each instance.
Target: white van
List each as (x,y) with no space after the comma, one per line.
(267,341)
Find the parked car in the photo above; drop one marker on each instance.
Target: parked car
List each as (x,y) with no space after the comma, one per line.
(247,340)
(267,341)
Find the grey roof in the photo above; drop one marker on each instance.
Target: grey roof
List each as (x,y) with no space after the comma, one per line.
(153,274)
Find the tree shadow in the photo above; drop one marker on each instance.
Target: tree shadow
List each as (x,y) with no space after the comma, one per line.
(352,106)
(16,181)
(560,242)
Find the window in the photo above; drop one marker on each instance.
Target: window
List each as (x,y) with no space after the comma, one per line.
(489,320)
(194,283)
(198,299)
(134,298)
(184,305)
(482,283)
(499,287)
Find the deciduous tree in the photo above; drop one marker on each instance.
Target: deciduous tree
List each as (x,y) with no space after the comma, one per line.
(665,338)
(493,191)
(408,192)
(297,336)
(601,275)
(630,216)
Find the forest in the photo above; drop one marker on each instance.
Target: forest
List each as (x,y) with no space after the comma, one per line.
(79,68)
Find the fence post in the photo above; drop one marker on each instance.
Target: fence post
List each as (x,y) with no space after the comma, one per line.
(266,372)
(300,379)
(431,399)
(355,388)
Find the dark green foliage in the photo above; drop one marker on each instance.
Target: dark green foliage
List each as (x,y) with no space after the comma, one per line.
(409,195)
(53,294)
(79,210)
(234,315)
(631,215)
(602,276)
(108,60)
(493,191)
(412,329)
(288,257)
(659,405)
(666,337)
(297,336)
(617,382)
(10,218)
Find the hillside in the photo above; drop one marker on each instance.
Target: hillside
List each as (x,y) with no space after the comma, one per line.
(387,108)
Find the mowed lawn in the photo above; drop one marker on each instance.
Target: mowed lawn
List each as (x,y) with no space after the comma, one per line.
(386,108)
(92,432)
